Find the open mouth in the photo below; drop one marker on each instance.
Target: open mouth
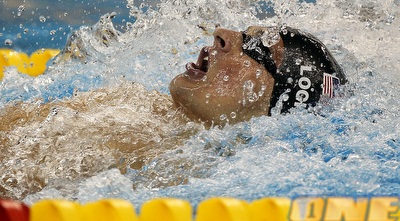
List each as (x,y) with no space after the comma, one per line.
(198,70)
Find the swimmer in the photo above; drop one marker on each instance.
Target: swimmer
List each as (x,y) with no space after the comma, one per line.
(243,75)
(250,73)
(259,71)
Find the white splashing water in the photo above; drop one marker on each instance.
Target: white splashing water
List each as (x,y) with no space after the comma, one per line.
(74,146)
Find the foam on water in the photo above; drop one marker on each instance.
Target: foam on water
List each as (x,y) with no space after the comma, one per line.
(104,135)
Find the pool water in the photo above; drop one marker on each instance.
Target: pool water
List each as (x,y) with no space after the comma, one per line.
(105,127)
(30,25)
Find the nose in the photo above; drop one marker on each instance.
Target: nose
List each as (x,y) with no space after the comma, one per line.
(223,39)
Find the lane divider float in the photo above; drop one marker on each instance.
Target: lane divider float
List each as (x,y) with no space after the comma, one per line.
(32,65)
(213,209)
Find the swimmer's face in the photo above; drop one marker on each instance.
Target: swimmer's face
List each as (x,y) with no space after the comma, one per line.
(224,85)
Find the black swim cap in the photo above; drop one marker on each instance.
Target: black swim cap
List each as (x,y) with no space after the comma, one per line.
(308,70)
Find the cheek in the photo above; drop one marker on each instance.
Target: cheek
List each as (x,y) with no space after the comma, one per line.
(226,83)
(229,73)
(254,87)
(239,80)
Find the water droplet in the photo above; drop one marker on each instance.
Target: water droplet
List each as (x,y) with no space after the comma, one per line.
(290,80)
(263,87)
(249,94)
(298,61)
(252,97)
(245,46)
(292,35)
(233,115)
(283,29)
(8,42)
(65,14)
(246,63)
(42,19)
(21,8)
(53,32)
(208,96)
(223,117)
(285,97)
(258,73)
(258,49)
(226,78)
(249,85)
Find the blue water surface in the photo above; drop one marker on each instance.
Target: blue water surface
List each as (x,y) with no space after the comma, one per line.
(30,25)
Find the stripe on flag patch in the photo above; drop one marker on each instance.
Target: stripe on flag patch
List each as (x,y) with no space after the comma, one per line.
(330,82)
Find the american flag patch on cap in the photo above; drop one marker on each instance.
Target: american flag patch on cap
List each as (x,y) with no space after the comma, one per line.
(330,82)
